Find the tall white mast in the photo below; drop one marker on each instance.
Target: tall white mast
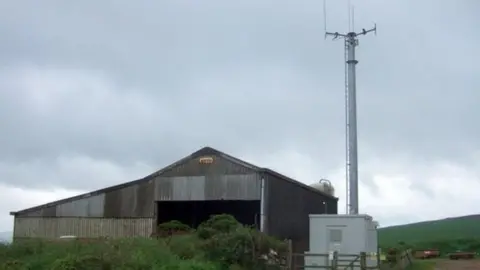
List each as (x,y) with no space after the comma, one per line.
(351,42)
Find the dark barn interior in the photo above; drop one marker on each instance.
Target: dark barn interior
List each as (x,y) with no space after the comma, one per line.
(193,213)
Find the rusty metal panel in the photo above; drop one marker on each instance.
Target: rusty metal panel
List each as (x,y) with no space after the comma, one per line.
(163,189)
(112,206)
(43,212)
(82,227)
(86,207)
(242,187)
(215,188)
(233,187)
(182,188)
(145,205)
(189,188)
(132,201)
(210,187)
(128,200)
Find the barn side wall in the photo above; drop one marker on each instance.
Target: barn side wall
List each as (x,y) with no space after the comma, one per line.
(191,180)
(288,209)
(106,213)
(137,201)
(54,227)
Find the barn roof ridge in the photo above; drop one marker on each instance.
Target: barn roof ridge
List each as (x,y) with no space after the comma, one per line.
(204,151)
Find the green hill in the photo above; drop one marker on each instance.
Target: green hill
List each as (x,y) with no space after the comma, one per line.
(432,233)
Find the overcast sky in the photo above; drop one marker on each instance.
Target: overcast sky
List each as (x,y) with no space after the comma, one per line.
(96,93)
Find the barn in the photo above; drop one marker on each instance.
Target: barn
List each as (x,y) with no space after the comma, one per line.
(190,190)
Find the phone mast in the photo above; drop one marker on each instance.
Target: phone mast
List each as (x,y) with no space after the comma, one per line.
(351,42)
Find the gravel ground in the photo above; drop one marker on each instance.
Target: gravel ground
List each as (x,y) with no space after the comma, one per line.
(458,265)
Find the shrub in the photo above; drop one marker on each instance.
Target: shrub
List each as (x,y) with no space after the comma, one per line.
(185,246)
(236,246)
(173,227)
(13,265)
(217,224)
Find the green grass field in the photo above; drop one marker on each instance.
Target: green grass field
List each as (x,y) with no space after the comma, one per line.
(219,243)
(117,254)
(461,233)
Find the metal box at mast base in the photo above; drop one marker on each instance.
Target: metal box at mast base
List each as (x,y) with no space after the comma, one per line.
(349,235)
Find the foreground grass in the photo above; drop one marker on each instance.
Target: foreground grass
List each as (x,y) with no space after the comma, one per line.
(114,254)
(220,243)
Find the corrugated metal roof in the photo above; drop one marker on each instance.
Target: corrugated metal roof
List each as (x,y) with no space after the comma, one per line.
(202,152)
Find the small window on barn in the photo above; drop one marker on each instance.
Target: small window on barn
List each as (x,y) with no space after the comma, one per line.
(335,236)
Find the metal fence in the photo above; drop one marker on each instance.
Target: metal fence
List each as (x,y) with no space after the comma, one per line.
(331,261)
(340,261)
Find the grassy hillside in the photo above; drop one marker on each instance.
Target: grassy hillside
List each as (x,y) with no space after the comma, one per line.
(433,233)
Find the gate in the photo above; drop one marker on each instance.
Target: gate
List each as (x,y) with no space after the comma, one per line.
(351,261)
(331,261)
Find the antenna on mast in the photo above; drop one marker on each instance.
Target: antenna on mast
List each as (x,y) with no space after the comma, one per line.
(325,17)
(353,19)
(351,42)
(349,12)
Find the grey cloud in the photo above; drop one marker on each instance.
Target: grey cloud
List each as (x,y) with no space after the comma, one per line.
(74,172)
(245,77)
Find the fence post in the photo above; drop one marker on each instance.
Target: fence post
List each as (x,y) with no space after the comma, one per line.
(289,255)
(363,260)
(335,260)
(400,260)
(379,256)
(409,256)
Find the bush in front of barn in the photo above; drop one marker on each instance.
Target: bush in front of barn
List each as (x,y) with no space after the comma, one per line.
(223,240)
(219,243)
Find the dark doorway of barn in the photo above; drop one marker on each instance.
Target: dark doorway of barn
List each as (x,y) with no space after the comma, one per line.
(193,213)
